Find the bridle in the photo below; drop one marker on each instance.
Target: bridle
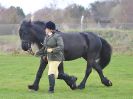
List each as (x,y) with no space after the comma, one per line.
(30,51)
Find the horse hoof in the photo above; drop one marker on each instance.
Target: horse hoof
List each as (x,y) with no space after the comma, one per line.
(74,86)
(81,87)
(107,82)
(110,83)
(33,88)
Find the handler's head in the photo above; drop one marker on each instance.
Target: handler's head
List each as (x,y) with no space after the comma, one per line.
(50,26)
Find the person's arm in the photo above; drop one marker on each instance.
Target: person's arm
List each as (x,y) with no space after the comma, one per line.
(42,51)
(60,45)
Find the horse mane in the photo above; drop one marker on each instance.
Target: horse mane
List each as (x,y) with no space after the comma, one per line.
(38,30)
(42,23)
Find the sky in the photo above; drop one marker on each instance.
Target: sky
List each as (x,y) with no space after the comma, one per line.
(30,6)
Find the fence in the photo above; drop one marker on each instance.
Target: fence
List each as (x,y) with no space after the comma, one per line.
(6,29)
(121,40)
(88,26)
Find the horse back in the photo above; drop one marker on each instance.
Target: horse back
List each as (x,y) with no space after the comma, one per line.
(74,45)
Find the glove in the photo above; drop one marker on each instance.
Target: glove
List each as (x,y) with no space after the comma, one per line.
(45,58)
(49,50)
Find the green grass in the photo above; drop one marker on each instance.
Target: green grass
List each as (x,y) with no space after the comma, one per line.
(16,72)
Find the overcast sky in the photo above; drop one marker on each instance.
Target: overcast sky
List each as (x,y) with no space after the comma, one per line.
(30,6)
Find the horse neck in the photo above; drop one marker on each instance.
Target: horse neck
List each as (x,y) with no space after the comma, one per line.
(39,42)
(38,36)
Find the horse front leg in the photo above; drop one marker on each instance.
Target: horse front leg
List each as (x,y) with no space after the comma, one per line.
(35,85)
(104,79)
(70,80)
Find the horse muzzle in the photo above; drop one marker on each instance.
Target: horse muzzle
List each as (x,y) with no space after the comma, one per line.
(26,45)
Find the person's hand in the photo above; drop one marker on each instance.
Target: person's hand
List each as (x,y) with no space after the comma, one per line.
(39,53)
(49,50)
(45,58)
(36,54)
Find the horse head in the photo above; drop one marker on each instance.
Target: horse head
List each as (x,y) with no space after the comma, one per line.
(31,32)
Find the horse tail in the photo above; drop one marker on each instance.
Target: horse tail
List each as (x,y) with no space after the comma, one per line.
(105,55)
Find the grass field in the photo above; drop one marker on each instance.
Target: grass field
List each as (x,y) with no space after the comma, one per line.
(17,71)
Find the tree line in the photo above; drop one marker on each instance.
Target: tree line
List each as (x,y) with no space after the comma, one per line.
(11,15)
(99,12)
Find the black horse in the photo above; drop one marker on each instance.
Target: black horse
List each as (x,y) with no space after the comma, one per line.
(94,49)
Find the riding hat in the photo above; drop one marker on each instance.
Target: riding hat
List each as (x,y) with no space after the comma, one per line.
(50,25)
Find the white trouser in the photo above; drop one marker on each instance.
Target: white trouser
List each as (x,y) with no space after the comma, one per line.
(53,68)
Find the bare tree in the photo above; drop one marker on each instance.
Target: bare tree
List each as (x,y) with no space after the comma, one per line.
(11,15)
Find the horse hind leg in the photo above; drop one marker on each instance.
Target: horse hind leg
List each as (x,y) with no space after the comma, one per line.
(87,73)
(104,79)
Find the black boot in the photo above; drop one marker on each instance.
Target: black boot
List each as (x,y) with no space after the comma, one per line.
(70,80)
(51,83)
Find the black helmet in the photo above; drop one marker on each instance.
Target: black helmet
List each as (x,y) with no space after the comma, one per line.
(50,25)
